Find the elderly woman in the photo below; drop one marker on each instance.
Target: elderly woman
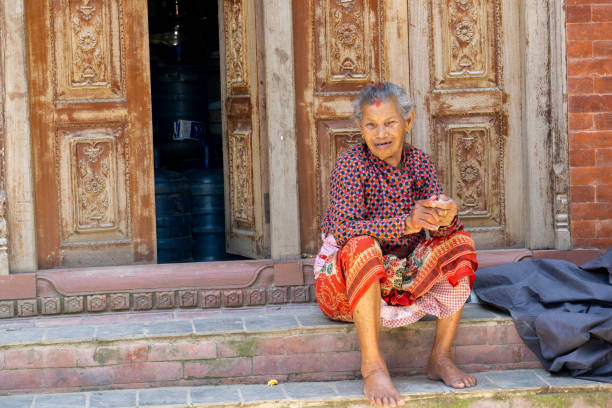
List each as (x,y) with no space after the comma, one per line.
(376,265)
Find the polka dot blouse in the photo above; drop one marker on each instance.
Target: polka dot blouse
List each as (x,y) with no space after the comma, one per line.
(369,197)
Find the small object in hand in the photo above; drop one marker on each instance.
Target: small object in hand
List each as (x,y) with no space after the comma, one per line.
(272,382)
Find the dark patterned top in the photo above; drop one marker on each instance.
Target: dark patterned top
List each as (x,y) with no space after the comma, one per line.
(369,197)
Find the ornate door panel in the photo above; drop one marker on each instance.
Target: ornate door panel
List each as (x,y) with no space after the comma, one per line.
(466,85)
(244,210)
(91,131)
(464,77)
(337,51)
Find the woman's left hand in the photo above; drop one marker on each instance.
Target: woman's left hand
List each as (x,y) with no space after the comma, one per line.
(445,207)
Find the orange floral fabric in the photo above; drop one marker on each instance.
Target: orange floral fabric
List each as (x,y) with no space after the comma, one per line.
(346,275)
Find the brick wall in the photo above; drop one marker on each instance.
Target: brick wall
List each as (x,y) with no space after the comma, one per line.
(589,80)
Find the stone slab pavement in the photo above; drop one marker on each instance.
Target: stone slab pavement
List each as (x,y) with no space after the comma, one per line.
(305,393)
(122,326)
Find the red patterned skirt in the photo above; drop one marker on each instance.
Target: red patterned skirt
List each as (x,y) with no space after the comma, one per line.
(346,275)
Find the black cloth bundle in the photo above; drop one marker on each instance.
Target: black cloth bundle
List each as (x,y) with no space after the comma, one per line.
(562,312)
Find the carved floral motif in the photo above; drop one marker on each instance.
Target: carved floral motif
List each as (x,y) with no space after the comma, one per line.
(471,169)
(94,184)
(28,307)
(346,40)
(164,300)
(211,299)
(467,38)
(188,298)
(7,309)
(50,306)
(88,52)
(473,174)
(241,183)
(73,304)
(235,43)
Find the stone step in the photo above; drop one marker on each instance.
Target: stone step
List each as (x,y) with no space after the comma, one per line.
(246,346)
(507,388)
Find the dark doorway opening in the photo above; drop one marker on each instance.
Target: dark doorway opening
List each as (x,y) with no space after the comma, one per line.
(185,94)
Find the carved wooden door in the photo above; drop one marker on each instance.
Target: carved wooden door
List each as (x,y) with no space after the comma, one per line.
(337,51)
(91,131)
(464,69)
(242,145)
(466,83)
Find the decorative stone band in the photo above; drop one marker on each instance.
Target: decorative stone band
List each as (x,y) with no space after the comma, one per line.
(169,299)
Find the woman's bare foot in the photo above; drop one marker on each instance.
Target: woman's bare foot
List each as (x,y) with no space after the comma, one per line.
(378,387)
(442,367)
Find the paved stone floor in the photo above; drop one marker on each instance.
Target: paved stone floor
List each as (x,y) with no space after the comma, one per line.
(122,326)
(289,394)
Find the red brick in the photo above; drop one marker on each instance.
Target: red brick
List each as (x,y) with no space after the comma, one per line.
(344,361)
(221,367)
(407,338)
(580,86)
(593,139)
(321,343)
(40,358)
(590,175)
(414,358)
(582,194)
(116,355)
(601,243)
(591,211)
(528,355)
(589,31)
(28,358)
(582,158)
(589,66)
(579,49)
(603,121)
(469,335)
(578,14)
(603,85)
(182,351)
(603,157)
(601,12)
(297,363)
(58,357)
(487,335)
(54,378)
(487,354)
(590,103)
(603,193)
(602,48)
(583,229)
(604,229)
(580,121)
(270,346)
(13,380)
(139,373)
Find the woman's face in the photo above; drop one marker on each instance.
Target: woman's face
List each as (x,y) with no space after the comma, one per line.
(383,127)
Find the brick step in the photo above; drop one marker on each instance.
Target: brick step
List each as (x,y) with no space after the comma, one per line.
(503,389)
(181,348)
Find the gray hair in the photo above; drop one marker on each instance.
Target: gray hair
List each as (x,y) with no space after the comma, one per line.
(381,91)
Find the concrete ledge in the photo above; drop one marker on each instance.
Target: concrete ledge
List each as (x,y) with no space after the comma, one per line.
(21,286)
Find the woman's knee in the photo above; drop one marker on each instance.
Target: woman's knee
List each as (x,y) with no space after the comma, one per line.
(363,241)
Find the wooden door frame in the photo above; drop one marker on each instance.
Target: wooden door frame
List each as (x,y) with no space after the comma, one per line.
(17,160)
(551,232)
